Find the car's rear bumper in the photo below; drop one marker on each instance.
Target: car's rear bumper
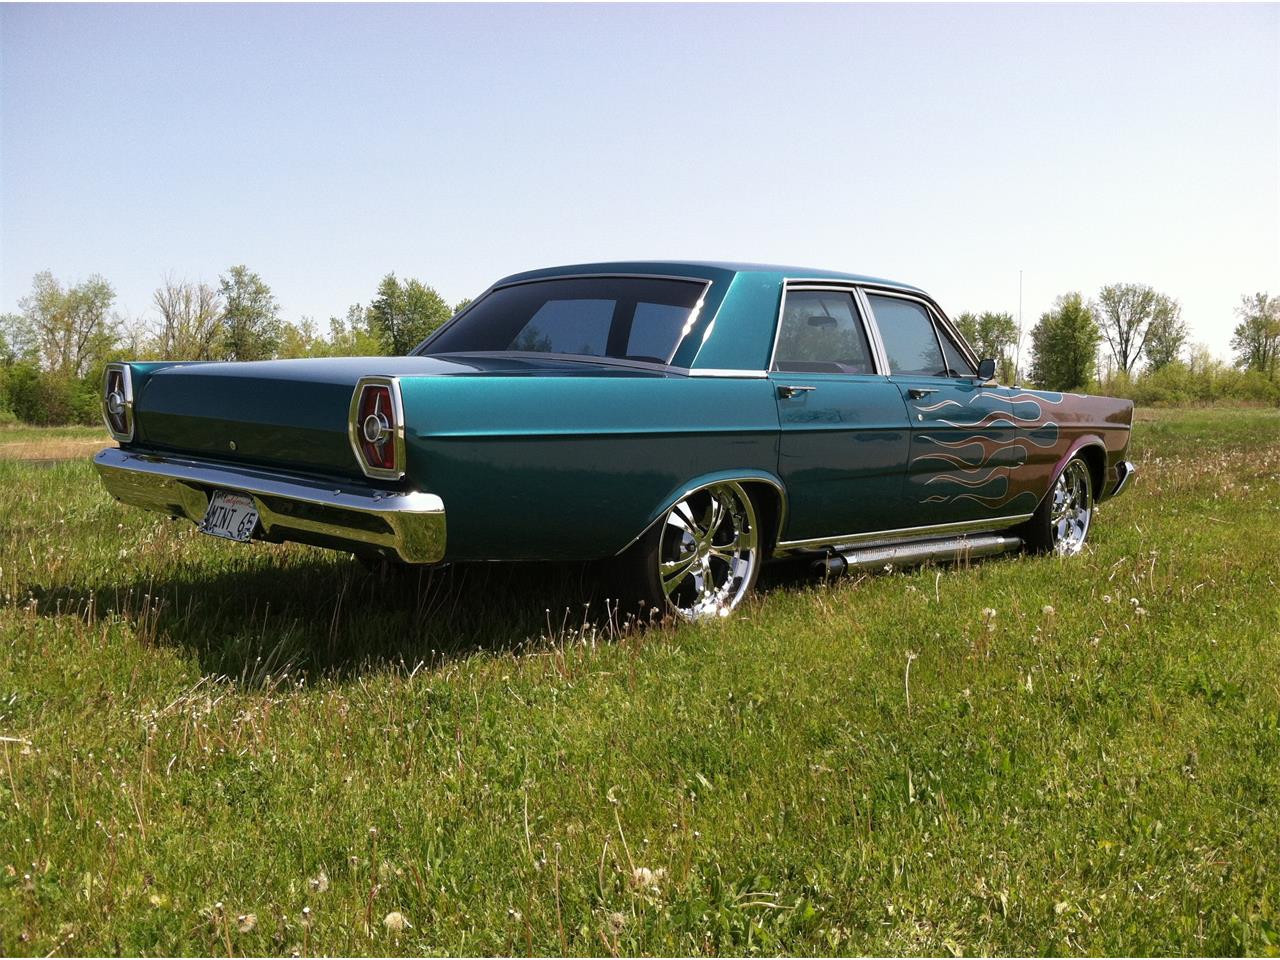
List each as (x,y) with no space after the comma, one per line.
(340,514)
(1126,470)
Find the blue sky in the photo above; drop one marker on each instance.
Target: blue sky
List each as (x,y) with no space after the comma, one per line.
(949,146)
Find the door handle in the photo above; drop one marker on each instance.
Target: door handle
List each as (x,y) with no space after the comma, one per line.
(786,391)
(919,393)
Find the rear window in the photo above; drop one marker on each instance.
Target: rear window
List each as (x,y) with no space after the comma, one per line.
(626,318)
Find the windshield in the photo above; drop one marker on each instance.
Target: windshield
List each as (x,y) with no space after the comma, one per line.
(625,318)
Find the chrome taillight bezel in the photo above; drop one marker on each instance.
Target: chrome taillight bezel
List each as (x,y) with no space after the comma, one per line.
(396,471)
(126,401)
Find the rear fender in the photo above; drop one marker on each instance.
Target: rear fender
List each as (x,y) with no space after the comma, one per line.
(1095,451)
(705,480)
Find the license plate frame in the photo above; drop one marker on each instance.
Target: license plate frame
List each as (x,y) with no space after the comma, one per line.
(231,516)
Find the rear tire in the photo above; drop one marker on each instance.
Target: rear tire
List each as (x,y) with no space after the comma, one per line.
(1061,523)
(698,562)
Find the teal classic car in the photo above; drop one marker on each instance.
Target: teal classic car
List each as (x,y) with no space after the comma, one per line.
(686,421)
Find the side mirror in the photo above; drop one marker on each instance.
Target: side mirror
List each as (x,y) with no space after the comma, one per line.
(987,370)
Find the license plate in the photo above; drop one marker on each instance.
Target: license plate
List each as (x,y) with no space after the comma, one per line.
(230,515)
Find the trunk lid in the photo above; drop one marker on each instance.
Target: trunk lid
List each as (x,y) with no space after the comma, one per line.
(289,413)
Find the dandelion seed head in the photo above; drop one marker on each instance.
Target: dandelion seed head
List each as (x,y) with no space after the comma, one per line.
(395,922)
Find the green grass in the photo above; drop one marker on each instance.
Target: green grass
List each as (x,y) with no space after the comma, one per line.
(24,433)
(1027,755)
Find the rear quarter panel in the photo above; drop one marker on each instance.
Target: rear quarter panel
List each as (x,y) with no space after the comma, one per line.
(534,468)
(1054,427)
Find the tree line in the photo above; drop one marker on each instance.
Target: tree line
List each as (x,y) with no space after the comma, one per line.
(54,349)
(1129,340)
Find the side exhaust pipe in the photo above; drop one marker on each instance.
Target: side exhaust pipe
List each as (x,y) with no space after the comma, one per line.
(950,550)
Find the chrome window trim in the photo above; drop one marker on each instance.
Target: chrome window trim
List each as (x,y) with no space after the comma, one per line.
(785,547)
(720,372)
(501,285)
(397,441)
(420,349)
(839,286)
(566,358)
(126,384)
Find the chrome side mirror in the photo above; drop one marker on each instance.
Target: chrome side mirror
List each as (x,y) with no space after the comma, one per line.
(986,370)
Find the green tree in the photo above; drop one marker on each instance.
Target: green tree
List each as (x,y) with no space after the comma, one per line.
(1166,338)
(461,305)
(10,326)
(993,335)
(250,317)
(302,339)
(1064,345)
(1256,339)
(403,313)
(354,336)
(1126,313)
(69,327)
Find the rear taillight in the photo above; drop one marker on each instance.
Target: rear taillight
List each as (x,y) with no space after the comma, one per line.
(377,428)
(117,401)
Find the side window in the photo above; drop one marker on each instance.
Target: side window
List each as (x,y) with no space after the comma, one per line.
(957,365)
(821,331)
(909,340)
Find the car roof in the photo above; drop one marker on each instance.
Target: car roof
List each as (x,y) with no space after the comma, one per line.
(706,269)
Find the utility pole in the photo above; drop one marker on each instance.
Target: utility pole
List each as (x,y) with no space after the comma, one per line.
(1017,361)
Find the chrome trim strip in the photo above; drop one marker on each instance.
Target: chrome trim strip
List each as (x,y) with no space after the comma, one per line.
(353,427)
(412,524)
(126,382)
(1127,470)
(717,372)
(872,537)
(607,275)
(877,341)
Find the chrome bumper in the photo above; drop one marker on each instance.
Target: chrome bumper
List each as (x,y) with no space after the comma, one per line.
(1126,471)
(410,526)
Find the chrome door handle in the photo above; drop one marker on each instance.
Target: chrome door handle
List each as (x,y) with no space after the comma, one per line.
(919,393)
(786,391)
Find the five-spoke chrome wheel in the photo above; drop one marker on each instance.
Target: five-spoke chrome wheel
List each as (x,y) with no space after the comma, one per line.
(1071,508)
(708,552)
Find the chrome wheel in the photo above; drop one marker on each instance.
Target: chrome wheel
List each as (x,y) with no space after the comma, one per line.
(1071,509)
(708,550)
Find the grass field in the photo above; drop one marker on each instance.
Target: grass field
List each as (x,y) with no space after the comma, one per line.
(222,749)
(21,442)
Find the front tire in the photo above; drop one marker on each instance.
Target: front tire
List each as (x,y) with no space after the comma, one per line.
(699,561)
(1061,523)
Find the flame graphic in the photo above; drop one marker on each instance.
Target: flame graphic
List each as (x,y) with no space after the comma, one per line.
(979,466)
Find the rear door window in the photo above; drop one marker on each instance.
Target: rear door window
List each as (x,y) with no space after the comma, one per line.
(821,331)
